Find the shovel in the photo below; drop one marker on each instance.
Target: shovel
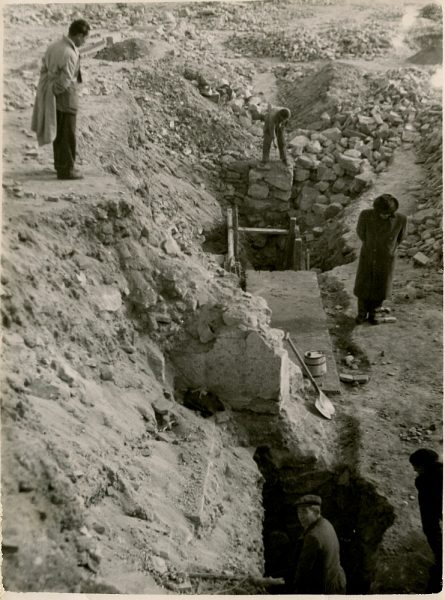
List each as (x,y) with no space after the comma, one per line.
(322,403)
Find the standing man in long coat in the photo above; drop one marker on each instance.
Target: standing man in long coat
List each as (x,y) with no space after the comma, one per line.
(429,484)
(56,105)
(318,569)
(381,229)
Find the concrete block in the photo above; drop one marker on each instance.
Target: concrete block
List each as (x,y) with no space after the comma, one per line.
(421,259)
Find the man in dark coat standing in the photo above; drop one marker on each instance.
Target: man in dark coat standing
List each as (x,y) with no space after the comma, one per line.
(318,569)
(429,483)
(381,229)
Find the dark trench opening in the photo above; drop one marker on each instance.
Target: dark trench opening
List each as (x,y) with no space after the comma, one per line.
(359,515)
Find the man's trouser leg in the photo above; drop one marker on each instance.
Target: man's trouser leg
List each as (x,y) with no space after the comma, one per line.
(372,306)
(281,145)
(267,142)
(434,537)
(362,309)
(64,146)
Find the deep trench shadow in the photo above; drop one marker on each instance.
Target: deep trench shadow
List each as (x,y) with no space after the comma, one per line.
(358,513)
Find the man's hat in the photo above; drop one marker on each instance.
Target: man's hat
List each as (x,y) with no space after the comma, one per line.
(309,500)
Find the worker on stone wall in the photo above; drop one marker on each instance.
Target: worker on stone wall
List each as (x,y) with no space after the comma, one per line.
(429,482)
(274,124)
(381,230)
(318,569)
(57,102)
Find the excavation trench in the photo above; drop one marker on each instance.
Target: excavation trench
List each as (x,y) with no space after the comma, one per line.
(358,513)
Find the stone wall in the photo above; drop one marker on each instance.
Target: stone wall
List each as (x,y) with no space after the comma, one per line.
(233,355)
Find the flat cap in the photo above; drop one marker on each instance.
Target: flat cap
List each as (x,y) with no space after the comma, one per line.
(309,500)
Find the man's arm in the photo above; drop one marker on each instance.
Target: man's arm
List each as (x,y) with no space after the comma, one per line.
(306,562)
(402,232)
(66,76)
(361,227)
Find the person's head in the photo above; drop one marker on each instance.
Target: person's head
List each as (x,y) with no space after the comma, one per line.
(309,509)
(422,459)
(78,32)
(283,115)
(385,205)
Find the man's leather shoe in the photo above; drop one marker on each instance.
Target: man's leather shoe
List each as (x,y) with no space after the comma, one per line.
(70,176)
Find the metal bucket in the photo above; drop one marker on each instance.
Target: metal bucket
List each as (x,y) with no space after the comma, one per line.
(315,361)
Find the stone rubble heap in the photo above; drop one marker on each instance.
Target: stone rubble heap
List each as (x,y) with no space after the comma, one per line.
(340,160)
(303,45)
(424,242)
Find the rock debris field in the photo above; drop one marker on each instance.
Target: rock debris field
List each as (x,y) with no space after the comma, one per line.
(155,433)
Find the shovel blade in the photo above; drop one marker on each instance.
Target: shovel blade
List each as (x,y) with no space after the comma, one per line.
(324,406)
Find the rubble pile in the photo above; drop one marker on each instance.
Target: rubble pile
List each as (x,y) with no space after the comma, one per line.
(425,239)
(130,49)
(339,160)
(305,45)
(177,116)
(431,11)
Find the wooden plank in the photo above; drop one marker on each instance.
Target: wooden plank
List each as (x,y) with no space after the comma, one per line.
(295,301)
(230,246)
(235,232)
(251,578)
(298,255)
(289,248)
(271,231)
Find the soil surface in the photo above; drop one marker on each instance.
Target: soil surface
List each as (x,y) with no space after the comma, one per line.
(70,366)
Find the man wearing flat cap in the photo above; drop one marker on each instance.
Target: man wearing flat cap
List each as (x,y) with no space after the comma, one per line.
(318,569)
(381,229)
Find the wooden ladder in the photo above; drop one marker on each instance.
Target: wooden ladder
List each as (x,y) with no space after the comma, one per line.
(294,257)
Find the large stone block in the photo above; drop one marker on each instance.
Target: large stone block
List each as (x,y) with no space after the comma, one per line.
(301,174)
(349,164)
(325,173)
(306,162)
(332,210)
(280,176)
(258,190)
(361,182)
(299,143)
(308,196)
(276,194)
(319,209)
(366,124)
(333,133)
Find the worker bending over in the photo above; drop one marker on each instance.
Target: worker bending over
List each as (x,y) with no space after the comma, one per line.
(274,124)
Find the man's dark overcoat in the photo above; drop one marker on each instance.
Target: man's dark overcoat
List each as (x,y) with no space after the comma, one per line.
(319,570)
(380,239)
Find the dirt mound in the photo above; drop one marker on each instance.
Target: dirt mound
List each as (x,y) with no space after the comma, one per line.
(335,86)
(131,49)
(333,41)
(431,11)
(430,56)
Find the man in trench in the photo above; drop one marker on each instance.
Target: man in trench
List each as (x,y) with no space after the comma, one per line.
(318,569)
(429,484)
(274,123)
(56,105)
(381,229)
